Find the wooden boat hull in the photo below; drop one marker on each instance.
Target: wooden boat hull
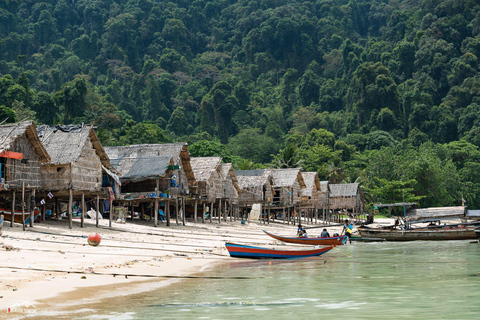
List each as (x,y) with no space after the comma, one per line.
(331,241)
(419,234)
(17,217)
(243,251)
(1,223)
(477,232)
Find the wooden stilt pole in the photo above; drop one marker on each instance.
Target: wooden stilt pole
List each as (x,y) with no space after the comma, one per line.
(57,208)
(97,214)
(23,204)
(32,207)
(284,217)
(155,212)
(82,217)
(195,211)
(211,211)
(70,210)
(184,214)
(176,211)
(142,210)
(203,212)
(167,212)
(13,208)
(44,212)
(110,215)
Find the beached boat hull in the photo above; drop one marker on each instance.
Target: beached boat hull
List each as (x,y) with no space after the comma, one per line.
(17,217)
(243,251)
(1,223)
(331,241)
(477,232)
(436,234)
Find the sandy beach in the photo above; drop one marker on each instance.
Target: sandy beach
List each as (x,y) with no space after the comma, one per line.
(50,268)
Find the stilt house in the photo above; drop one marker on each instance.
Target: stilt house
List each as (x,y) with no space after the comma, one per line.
(288,185)
(208,174)
(346,197)
(77,161)
(231,189)
(256,187)
(182,177)
(21,155)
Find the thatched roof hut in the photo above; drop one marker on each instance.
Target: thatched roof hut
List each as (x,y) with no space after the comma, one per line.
(288,185)
(255,185)
(324,194)
(312,188)
(77,158)
(230,182)
(21,154)
(177,151)
(208,174)
(346,196)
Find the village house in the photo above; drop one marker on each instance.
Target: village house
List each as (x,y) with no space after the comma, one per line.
(76,170)
(21,155)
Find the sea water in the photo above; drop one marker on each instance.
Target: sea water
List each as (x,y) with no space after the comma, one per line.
(383,280)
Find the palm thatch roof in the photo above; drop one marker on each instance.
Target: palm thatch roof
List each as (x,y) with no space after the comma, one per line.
(178,151)
(251,182)
(204,167)
(436,213)
(227,171)
(325,187)
(64,143)
(284,178)
(344,190)
(311,183)
(10,132)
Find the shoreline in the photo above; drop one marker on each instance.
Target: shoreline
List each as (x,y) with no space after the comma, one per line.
(48,268)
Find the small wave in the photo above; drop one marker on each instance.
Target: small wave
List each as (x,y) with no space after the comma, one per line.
(218,304)
(341,305)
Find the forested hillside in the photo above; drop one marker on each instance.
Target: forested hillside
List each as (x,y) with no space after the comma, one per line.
(381,92)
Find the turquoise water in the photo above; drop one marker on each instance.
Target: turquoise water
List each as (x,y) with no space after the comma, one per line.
(413,280)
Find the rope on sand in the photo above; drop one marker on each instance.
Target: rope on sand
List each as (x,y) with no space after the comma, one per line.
(126,275)
(124,247)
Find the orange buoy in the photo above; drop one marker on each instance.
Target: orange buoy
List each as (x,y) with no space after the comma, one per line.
(94,239)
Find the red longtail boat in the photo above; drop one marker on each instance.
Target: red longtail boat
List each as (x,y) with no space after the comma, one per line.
(339,240)
(243,251)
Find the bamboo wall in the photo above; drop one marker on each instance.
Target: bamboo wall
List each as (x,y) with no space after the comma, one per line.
(27,170)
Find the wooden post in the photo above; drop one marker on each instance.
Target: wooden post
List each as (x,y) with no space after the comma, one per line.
(195,211)
(219,211)
(211,212)
(57,208)
(176,210)
(133,209)
(268,213)
(97,211)
(203,213)
(82,217)
(284,217)
(44,212)
(23,205)
(110,215)
(183,210)
(225,211)
(13,208)
(31,206)
(70,211)
(142,211)
(167,212)
(155,212)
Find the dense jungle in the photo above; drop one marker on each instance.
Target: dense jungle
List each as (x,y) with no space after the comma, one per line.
(385,93)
